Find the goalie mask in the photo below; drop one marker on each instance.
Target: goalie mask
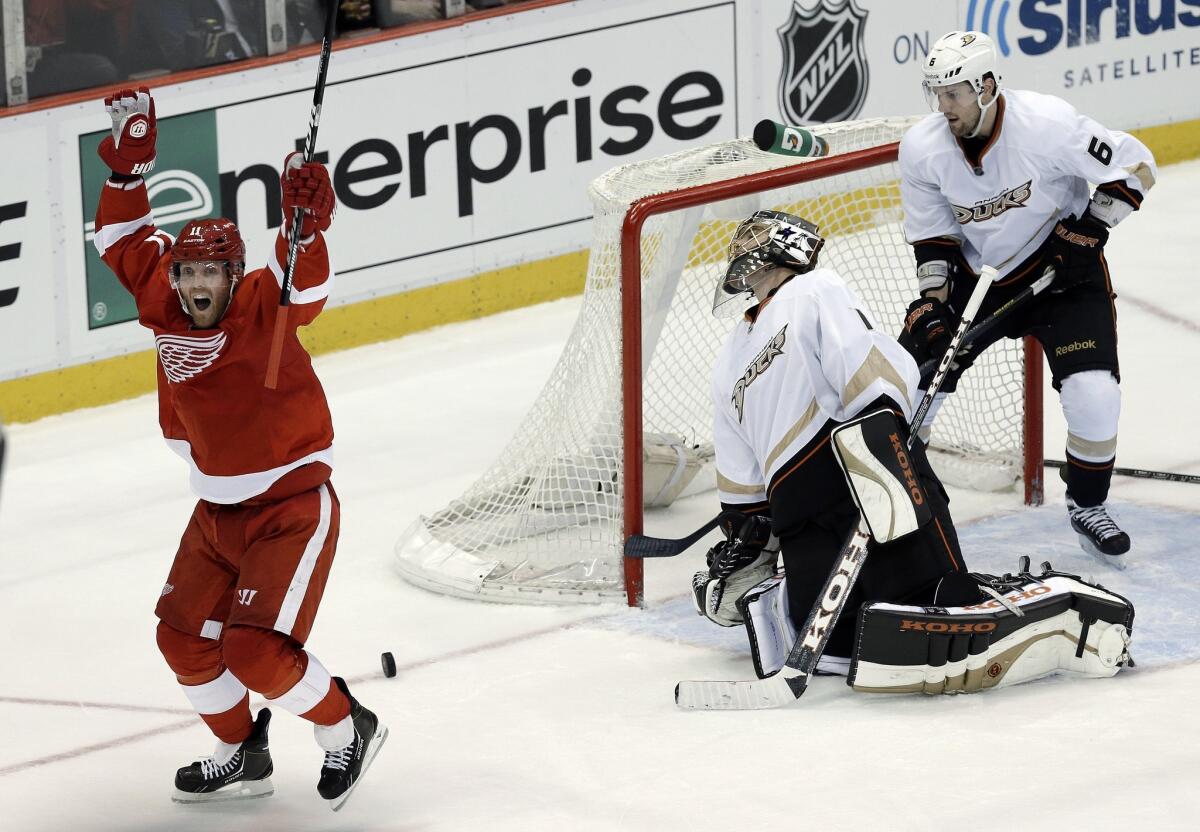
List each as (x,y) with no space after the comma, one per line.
(764,240)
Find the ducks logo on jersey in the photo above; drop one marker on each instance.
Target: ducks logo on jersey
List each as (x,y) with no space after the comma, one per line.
(757,367)
(989,209)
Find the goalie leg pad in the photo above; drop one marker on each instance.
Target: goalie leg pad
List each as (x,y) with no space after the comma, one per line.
(1033,627)
(769,626)
(882,475)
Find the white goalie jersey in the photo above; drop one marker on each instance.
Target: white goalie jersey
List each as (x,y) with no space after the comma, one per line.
(812,354)
(1034,169)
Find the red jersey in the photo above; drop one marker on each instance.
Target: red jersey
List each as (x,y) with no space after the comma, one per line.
(240,439)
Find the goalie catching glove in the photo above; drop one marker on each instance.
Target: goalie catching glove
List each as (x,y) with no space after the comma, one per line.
(306,185)
(129,151)
(735,565)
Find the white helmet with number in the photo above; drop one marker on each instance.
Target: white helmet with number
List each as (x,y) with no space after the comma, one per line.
(958,57)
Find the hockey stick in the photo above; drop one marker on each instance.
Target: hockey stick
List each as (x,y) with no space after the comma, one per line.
(996,318)
(1142,473)
(788,685)
(643,546)
(310,145)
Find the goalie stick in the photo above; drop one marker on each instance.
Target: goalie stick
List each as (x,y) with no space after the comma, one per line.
(310,146)
(789,684)
(644,546)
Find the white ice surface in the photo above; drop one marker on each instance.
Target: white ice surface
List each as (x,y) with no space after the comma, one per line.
(511,718)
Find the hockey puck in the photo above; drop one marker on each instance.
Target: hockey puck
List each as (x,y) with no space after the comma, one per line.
(389,664)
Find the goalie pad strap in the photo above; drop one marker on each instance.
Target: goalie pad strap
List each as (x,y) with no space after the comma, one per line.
(1066,626)
(872,453)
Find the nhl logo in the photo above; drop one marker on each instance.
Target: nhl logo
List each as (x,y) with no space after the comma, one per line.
(824,75)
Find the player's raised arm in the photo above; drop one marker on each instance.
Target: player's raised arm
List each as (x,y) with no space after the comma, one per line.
(126,237)
(305,185)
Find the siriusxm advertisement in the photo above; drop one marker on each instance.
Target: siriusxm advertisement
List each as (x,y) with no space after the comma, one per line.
(1114,59)
(1131,48)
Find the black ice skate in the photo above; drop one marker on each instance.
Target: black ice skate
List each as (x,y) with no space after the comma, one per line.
(343,768)
(245,775)
(1098,534)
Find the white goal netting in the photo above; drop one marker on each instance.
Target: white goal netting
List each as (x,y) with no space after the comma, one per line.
(544,524)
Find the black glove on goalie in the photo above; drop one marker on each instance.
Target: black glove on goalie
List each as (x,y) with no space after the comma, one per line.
(735,565)
(926,331)
(1075,249)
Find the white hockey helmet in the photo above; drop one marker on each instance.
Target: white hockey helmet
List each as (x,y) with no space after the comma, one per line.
(958,57)
(762,240)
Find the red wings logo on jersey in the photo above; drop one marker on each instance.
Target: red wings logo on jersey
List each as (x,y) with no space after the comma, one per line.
(991,208)
(182,357)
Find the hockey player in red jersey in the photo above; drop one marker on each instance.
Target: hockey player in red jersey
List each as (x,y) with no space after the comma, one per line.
(248,577)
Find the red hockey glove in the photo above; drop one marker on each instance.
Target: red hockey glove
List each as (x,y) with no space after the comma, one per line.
(130,149)
(306,186)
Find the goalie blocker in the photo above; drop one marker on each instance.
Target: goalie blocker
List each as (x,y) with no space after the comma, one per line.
(1032,626)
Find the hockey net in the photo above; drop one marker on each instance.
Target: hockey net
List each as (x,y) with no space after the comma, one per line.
(625,419)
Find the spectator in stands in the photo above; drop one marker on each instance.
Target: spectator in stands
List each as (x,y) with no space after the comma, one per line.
(355,14)
(192,33)
(73,44)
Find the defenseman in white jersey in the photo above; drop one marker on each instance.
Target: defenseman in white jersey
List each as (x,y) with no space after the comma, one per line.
(805,359)
(1000,177)
(808,359)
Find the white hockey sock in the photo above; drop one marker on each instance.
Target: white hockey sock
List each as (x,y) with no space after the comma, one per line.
(335,736)
(224,752)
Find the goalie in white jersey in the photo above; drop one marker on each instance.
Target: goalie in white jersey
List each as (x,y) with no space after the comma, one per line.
(1000,177)
(806,360)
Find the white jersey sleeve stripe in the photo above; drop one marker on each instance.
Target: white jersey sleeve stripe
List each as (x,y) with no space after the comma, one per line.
(310,295)
(107,236)
(800,428)
(730,487)
(875,370)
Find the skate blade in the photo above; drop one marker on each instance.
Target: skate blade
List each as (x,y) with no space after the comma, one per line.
(381,735)
(1117,562)
(246,790)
